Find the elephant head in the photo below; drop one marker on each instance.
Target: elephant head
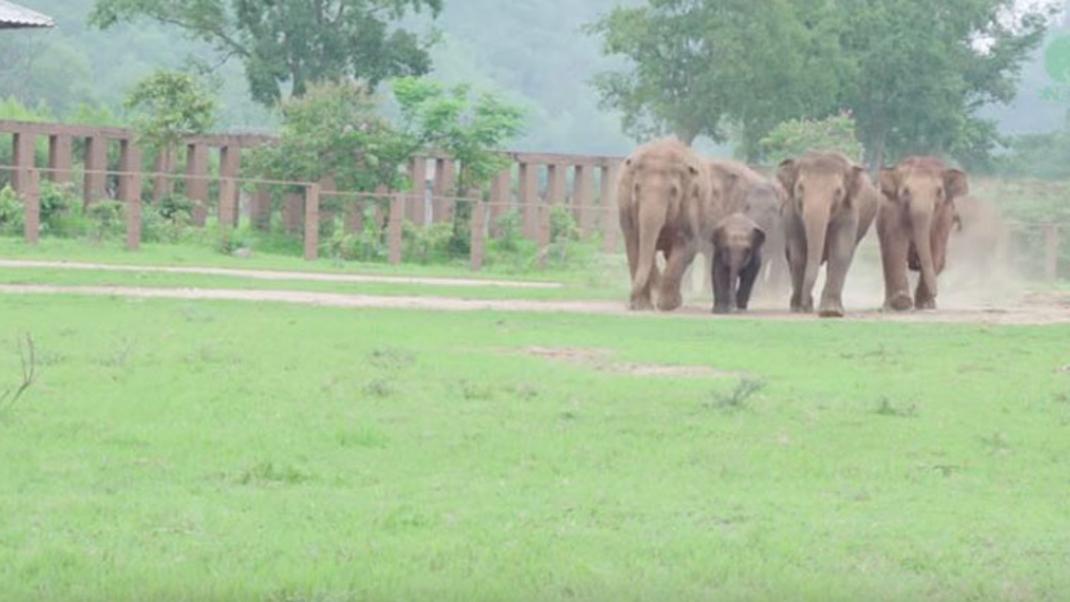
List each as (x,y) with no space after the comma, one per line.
(819,187)
(737,242)
(924,189)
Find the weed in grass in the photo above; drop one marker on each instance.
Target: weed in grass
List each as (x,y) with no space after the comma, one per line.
(268,472)
(525,392)
(379,389)
(366,437)
(886,408)
(736,399)
(391,358)
(474,391)
(997,443)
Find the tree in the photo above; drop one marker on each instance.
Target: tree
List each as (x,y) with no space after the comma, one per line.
(696,66)
(169,106)
(293,42)
(922,70)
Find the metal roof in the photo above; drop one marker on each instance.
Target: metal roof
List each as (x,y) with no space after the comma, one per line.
(14,16)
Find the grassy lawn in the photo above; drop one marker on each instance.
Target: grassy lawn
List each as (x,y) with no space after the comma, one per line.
(224,451)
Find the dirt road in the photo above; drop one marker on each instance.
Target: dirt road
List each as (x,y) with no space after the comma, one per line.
(1034,310)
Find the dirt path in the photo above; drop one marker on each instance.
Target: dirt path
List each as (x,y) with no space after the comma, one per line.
(277,275)
(1035,310)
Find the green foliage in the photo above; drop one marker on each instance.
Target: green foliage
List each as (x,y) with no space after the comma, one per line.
(169,106)
(11,212)
(367,245)
(167,220)
(425,245)
(293,43)
(61,210)
(693,68)
(105,219)
(794,137)
(1045,156)
(913,77)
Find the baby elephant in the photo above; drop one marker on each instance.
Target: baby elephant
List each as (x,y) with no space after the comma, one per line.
(737,261)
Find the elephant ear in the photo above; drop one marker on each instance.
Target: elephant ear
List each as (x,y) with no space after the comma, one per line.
(719,235)
(786,173)
(890,183)
(857,178)
(757,237)
(956,183)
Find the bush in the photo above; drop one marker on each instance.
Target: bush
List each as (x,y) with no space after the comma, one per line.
(366,245)
(11,212)
(167,221)
(426,245)
(105,219)
(796,136)
(61,210)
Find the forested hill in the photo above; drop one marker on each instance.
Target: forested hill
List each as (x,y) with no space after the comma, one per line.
(533,52)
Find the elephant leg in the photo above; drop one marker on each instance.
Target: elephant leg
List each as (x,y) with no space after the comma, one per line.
(796,257)
(680,256)
(746,281)
(841,250)
(631,240)
(923,297)
(895,249)
(721,288)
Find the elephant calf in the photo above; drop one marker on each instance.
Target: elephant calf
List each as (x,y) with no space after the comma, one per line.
(915,221)
(737,261)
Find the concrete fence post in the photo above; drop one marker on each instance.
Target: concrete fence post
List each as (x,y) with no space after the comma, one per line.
(229,166)
(132,205)
(417,211)
(545,233)
(529,199)
(227,202)
(500,195)
(582,199)
(196,181)
(96,163)
(32,201)
(444,189)
(1051,252)
(479,234)
(610,220)
(556,176)
(60,160)
(393,228)
(129,163)
(291,212)
(23,153)
(260,208)
(312,221)
(162,185)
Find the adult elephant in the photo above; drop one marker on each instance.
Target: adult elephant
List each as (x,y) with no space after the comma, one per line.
(831,205)
(669,201)
(916,217)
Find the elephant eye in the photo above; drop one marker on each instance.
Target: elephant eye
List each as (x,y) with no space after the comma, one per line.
(940,192)
(839,193)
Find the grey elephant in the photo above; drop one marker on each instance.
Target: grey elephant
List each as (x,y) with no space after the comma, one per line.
(831,205)
(737,262)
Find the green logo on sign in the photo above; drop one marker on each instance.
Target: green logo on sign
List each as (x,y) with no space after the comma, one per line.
(1057,59)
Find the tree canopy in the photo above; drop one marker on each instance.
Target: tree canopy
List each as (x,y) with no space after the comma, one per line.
(169,106)
(293,43)
(914,74)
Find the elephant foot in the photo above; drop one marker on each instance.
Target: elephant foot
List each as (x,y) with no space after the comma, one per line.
(722,309)
(926,305)
(670,301)
(899,302)
(641,304)
(831,309)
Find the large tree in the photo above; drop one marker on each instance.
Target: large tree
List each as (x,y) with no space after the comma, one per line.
(923,70)
(293,43)
(912,72)
(694,66)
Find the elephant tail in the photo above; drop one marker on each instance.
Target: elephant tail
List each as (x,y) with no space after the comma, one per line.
(652,217)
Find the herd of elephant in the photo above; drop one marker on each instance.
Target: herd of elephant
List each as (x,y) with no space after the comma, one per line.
(816,211)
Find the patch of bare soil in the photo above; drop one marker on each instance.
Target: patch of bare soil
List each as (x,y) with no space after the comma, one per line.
(599,359)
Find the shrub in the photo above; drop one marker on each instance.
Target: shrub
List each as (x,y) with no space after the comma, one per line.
(11,212)
(105,219)
(426,245)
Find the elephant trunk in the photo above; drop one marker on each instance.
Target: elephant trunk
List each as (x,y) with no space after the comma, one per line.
(733,284)
(815,220)
(921,220)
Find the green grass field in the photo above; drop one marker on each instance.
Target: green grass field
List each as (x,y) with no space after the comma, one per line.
(235,451)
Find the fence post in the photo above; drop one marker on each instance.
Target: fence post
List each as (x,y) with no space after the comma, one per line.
(418,174)
(229,165)
(96,163)
(393,234)
(582,198)
(227,204)
(132,201)
(479,233)
(130,191)
(500,193)
(23,153)
(162,185)
(529,199)
(312,221)
(445,186)
(32,199)
(610,223)
(59,158)
(544,233)
(260,208)
(196,182)
(1051,252)
(555,192)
